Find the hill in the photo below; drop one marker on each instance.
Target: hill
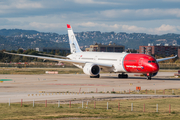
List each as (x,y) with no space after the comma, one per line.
(17,38)
(13,32)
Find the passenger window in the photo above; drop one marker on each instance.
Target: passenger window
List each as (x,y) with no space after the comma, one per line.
(149,61)
(154,61)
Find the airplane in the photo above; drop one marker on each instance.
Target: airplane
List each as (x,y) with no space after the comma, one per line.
(94,62)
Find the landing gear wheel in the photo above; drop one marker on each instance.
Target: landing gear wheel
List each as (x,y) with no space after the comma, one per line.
(126,75)
(119,75)
(98,76)
(149,78)
(122,76)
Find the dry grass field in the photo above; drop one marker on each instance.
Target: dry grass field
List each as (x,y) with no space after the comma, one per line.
(52,111)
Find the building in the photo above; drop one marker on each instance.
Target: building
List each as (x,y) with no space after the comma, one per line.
(106,48)
(160,50)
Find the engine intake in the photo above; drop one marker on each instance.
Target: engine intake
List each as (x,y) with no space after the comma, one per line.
(91,69)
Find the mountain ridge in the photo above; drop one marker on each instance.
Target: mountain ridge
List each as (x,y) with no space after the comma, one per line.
(15,38)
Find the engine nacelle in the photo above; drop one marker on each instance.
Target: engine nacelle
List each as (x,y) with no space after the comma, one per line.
(91,69)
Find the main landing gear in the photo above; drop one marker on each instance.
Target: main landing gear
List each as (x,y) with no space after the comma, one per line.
(122,75)
(98,76)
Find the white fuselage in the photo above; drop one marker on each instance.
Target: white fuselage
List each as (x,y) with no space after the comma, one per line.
(101,57)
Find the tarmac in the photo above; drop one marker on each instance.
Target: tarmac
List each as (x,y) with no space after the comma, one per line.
(53,86)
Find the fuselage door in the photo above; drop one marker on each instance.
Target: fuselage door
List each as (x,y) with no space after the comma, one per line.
(120,61)
(141,61)
(96,58)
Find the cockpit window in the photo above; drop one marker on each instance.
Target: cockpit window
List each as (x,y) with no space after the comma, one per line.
(154,61)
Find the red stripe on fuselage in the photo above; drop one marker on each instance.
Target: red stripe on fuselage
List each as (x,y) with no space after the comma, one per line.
(138,63)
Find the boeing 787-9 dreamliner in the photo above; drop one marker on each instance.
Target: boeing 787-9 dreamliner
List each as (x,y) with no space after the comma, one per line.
(94,62)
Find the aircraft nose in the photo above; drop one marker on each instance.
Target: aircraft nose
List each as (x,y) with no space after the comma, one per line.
(155,67)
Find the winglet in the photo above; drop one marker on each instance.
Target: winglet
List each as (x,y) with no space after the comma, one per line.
(68,26)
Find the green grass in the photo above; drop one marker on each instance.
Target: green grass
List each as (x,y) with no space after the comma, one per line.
(31,71)
(169,65)
(168,70)
(53,112)
(152,92)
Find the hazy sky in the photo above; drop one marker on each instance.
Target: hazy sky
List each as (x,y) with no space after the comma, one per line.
(147,16)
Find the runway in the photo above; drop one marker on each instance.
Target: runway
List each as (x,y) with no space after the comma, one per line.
(24,86)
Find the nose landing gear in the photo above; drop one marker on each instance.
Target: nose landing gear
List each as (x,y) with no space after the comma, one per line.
(148,76)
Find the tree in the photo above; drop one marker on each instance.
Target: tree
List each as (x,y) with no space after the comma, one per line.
(33,53)
(27,51)
(52,53)
(20,51)
(25,59)
(172,60)
(56,52)
(16,59)
(13,51)
(177,61)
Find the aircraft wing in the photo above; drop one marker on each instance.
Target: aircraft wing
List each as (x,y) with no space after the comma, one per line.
(54,55)
(61,60)
(162,59)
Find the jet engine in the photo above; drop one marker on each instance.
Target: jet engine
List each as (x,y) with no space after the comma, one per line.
(91,69)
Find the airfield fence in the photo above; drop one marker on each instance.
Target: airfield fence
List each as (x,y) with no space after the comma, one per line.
(121,106)
(130,105)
